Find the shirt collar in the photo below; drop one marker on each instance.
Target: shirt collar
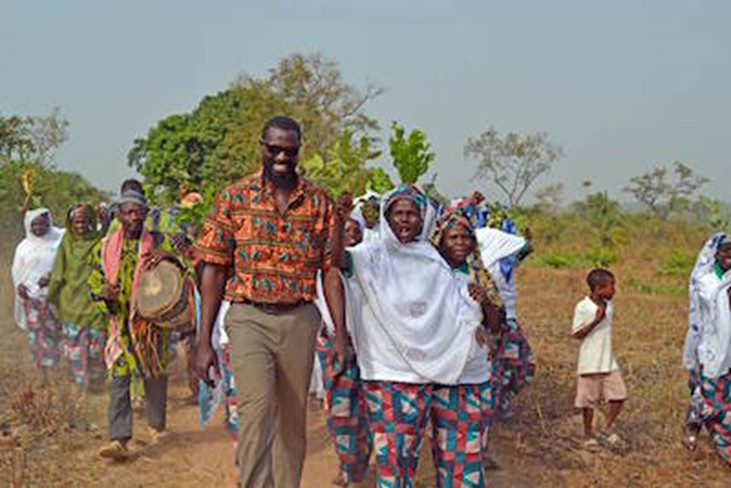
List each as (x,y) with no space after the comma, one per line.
(266,189)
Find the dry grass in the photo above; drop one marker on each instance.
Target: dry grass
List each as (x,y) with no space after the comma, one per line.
(543,442)
(649,331)
(43,421)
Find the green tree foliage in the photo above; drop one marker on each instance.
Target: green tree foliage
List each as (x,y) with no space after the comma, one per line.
(318,97)
(218,141)
(665,190)
(57,190)
(513,162)
(27,147)
(605,217)
(412,155)
(379,181)
(344,166)
(714,213)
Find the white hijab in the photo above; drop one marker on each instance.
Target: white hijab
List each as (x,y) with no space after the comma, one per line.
(33,259)
(404,308)
(708,340)
(495,245)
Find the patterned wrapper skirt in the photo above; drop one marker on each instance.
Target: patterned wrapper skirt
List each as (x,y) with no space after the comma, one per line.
(83,348)
(456,417)
(44,335)
(515,364)
(347,416)
(711,406)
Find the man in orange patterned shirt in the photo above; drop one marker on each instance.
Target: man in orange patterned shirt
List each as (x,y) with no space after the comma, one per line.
(263,243)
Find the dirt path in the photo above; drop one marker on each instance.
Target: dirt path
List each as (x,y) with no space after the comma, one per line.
(190,456)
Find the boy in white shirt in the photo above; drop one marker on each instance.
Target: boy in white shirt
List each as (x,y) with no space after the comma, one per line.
(599,374)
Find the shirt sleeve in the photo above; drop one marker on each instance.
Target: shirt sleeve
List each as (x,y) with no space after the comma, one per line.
(216,243)
(582,317)
(57,278)
(328,231)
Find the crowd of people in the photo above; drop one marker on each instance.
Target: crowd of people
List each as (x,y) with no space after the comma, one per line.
(401,312)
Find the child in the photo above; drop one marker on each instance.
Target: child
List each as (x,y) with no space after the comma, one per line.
(599,374)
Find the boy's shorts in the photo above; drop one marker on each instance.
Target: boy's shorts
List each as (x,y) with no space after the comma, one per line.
(591,389)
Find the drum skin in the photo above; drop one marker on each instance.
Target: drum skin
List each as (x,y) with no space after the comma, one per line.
(163,295)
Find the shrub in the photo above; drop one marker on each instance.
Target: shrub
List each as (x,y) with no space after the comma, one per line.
(679,264)
(601,256)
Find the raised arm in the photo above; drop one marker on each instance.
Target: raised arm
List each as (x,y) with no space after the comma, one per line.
(332,283)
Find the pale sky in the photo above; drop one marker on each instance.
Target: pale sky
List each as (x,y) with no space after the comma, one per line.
(620,85)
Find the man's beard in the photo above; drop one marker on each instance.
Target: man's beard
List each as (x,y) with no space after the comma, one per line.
(286,181)
(133,232)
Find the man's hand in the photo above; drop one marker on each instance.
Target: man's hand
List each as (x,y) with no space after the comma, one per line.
(153,258)
(205,358)
(181,243)
(339,354)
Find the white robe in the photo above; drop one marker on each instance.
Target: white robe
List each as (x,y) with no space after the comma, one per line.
(33,260)
(407,318)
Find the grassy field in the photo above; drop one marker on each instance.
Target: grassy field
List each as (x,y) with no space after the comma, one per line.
(42,429)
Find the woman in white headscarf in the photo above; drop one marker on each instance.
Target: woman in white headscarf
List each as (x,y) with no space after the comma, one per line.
(707,353)
(32,265)
(411,329)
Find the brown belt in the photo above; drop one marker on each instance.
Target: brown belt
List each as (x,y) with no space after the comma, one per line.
(275,307)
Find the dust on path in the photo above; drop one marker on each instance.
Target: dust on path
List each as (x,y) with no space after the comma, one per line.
(191,456)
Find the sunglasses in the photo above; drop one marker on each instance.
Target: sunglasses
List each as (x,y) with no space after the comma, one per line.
(290,152)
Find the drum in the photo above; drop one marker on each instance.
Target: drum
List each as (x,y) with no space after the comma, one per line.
(164,297)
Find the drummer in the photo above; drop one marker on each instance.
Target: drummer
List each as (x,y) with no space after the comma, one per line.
(264,241)
(133,346)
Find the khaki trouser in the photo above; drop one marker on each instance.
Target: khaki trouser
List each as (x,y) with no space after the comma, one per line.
(272,355)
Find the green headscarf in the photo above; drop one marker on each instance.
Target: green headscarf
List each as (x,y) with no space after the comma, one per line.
(69,287)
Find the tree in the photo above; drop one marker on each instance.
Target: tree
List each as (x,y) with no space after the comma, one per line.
(412,155)
(379,181)
(344,166)
(713,212)
(513,162)
(604,215)
(663,190)
(33,138)
(318,98)
(57,190)
(218,142)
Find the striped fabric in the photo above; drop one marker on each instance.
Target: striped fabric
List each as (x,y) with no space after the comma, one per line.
(460,422)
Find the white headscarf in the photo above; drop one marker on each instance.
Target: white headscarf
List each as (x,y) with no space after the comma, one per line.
(708,340)
(357,217)
(405,313)
(33,259)
(494,246)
